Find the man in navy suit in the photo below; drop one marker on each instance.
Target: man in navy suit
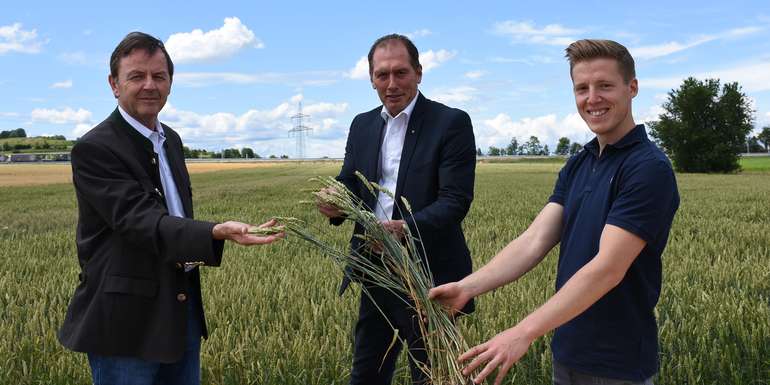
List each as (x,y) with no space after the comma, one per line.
(423,151)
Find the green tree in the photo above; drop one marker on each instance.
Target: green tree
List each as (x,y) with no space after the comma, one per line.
(764,137)
(562,148)
(186,151)
(493,151)
(753,145)
(512,148)
(545,151)
(479,152)
(533,146)
(230,153)
(247,152)
(575,148)
(703,129)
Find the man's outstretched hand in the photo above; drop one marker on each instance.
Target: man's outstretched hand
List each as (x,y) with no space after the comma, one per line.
(238,232)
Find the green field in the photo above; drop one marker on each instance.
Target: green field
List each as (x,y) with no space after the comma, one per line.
(37,144)
(755,163)
(275,317)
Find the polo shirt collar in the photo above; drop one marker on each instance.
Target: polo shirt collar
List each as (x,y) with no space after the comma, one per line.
(636,135)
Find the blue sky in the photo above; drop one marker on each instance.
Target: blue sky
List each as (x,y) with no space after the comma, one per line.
(241,67)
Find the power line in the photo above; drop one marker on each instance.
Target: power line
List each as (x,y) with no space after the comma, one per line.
(300,131)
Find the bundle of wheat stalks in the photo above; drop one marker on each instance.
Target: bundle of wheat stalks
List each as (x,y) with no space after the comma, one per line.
(399,269)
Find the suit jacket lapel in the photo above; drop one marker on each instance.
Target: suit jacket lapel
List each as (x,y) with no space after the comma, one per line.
(372,155)
(410,143)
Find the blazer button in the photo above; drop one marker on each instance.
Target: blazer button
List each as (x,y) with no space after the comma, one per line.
(181,297)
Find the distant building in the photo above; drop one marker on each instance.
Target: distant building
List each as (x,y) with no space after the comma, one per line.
(24,157)
(40,157)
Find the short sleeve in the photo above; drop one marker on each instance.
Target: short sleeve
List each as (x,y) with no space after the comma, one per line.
(559,194)
(646,201)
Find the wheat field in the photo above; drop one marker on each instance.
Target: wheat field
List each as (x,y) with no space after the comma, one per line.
(275,317)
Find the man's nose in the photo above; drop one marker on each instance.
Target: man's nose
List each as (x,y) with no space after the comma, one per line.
(149,83)
(392,81)
(593,95)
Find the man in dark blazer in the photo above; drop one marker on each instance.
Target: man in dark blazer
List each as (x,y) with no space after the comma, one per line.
(137,310)
(423,151)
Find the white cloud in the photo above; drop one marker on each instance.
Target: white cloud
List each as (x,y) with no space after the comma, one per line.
(255,126)
(62,84)
(499,130)
(754,77)
(475,74)
(453,96)
(80,129)
(197,45)
(431,59)
(9,114)
(81,118)
(419,33)
(15,39)
(64,116)
(527,32)
(665,49)
(360,70)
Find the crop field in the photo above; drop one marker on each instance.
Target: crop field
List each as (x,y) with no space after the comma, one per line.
(274,313)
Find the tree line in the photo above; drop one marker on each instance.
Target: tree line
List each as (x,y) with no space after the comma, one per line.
(17,133)
(228,153)
(532,147)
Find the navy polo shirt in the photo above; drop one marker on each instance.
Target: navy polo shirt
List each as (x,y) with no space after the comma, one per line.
(632,186)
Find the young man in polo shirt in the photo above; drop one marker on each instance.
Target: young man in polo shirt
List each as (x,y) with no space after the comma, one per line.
(611,210)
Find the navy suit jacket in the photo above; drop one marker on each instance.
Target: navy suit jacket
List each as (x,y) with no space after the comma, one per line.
(436,176)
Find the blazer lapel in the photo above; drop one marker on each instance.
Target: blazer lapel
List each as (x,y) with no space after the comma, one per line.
(372,169)
(410,143)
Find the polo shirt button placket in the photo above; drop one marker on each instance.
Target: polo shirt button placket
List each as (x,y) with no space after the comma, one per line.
(181,297)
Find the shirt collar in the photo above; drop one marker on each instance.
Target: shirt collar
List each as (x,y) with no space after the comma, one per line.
(141,128)
(637,134)
(407,111)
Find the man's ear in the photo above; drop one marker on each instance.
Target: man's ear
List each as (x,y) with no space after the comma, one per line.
(634,84)
(114,85)
(419,73)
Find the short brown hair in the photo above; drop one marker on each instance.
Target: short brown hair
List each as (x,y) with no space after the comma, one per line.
(414,56)
(588,49)
(138,40)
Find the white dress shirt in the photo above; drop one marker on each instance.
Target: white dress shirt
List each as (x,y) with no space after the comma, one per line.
(157,137)
(390,157)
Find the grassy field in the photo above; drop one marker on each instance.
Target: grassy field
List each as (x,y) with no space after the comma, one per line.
(275,317)
(755,163)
